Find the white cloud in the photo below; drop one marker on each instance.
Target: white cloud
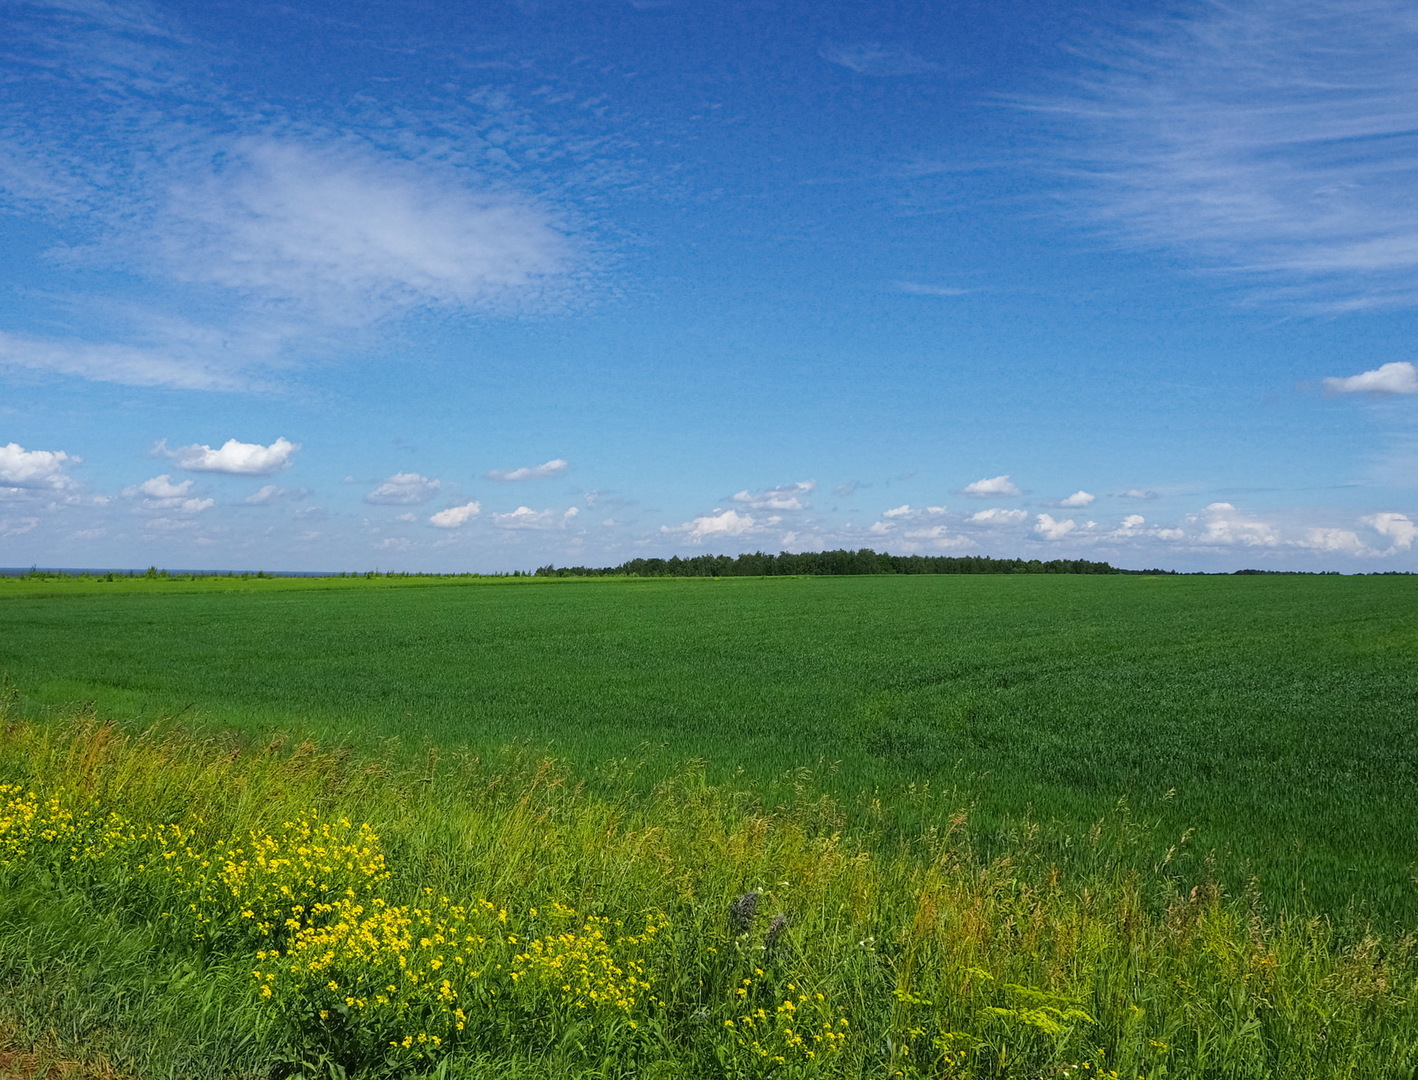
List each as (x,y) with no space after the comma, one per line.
(160,493)
(404,489)
(719,523)
(998,516)
(283,230)
(554,467)
(524,517)
(904,510)
(915,288)
(173,363)
(1272,137)
(876,59)
(269,493)
(994,485)
(348,233)
(1399,377)
(34,470)
(1131,525)
(1398,528)
(1138,493)
(1221,525)
(233,458)
(17,526)
(456,516)
(1341,540)
(1078,498)
(882,528)
(1046,527)
(784,497)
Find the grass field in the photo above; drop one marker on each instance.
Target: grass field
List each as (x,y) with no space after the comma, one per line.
(174,907)
(1275,716)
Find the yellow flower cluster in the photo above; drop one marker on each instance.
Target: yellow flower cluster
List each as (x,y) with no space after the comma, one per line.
(408,976)
(26,820)
(269,884)
(800,1029)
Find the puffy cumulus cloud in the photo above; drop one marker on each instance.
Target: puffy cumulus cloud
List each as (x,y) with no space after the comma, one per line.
(1341,540)
(1397,528)
(1138,493)
(554,467)
(991,486)
(784,497)
(34,470)
(524,517)
(1079,498)
(997,516)
(719,523)
(1400,377)
(1046,527)
(404,489)
(1220,524)
(1131,526)
(233,458)
(456,516)
(160,493)
(904,510)
(882,528)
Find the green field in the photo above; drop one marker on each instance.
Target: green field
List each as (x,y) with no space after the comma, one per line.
(1275,716)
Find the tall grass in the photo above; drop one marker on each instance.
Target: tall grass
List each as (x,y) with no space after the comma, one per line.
(183,906)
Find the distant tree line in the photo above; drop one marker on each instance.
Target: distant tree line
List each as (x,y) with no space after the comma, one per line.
(865,561)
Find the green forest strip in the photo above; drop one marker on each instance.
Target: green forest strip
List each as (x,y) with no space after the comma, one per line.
(817,563)
(210,907)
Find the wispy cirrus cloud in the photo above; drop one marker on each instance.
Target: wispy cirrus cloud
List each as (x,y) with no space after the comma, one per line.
(1275,138)
(877,58)
(284,231)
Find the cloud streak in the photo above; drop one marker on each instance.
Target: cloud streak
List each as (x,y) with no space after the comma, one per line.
(284,231)
(1276,138)
(554,467)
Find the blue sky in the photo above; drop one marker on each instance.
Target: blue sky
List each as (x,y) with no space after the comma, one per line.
(438,287)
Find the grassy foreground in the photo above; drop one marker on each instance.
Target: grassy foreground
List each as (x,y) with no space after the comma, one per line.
(173,906)
(1272,715)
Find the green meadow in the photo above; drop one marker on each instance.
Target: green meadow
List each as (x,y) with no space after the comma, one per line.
(928,828)
(1274,717)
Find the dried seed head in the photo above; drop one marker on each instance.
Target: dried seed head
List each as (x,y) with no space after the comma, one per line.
(742,911)
(775,931)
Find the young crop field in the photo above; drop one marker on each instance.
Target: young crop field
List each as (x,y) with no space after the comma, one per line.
(1269,720)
